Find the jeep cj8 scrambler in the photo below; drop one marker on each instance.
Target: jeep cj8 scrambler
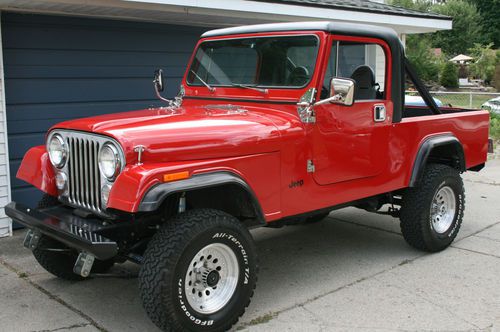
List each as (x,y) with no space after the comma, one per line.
(274,124)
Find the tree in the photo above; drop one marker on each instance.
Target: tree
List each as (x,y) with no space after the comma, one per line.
(497,78)
(419,53)
(421,5)
(466,30)
(449,75)
(418,47)
(489,9)
(497,72)
(485,62)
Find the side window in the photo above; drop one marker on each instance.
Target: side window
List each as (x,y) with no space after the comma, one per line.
(362,62)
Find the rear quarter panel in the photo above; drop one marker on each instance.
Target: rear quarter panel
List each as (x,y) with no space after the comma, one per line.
(470,128)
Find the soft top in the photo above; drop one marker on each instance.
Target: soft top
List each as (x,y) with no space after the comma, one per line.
(332,27)
(346,29)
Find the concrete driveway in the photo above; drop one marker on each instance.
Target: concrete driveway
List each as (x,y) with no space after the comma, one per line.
(351,272)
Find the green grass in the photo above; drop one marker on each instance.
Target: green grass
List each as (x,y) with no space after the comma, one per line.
(495,127)
(460,100)
(463,100)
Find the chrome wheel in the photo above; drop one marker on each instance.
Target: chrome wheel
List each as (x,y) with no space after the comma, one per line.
(211,278)
(443,209)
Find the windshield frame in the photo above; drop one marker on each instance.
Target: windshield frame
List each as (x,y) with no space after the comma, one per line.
(279,87)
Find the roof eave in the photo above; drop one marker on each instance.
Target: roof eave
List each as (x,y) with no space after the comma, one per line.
(219,13)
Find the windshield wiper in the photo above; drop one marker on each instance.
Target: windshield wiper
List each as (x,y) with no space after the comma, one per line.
(251,87)
(210,88)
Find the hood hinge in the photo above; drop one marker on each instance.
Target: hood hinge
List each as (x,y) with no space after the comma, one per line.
(310,166)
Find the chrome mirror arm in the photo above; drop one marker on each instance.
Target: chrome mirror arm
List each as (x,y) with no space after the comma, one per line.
(158,94)
(332,99)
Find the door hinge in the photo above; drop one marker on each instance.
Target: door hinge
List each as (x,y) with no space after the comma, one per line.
(310,166)
(305,106)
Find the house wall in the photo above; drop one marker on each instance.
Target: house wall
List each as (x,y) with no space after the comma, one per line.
(5,222)
(59,68)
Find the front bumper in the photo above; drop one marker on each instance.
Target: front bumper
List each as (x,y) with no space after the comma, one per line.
(61,224)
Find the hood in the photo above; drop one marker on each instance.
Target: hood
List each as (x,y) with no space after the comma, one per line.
(188,132)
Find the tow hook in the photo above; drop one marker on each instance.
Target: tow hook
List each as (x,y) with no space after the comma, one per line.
(83,264)
(31,239)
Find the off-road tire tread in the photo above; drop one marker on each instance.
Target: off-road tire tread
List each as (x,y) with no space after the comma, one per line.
(47,201)
(414,205)
(163,252)
(56,263)
(61,265)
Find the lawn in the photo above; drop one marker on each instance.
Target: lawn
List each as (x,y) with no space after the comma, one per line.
(463,100)
(495,127)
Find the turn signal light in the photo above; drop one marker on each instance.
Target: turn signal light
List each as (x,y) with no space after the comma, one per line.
(175,176)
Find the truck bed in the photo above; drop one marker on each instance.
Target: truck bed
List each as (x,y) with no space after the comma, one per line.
(414,111)
(470,127)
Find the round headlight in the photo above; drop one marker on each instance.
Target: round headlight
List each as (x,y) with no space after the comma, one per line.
(57,151)
(109,161)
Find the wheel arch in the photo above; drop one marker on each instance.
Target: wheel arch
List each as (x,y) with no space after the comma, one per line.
(222,190)
(441,149)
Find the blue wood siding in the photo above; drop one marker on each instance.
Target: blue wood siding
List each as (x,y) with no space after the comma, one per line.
(59,68)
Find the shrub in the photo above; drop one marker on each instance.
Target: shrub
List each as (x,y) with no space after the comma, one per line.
(420,55)
(449,75)
(486,60)
(497,77)
(495,126)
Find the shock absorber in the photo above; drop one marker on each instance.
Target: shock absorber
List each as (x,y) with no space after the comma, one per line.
(182,203)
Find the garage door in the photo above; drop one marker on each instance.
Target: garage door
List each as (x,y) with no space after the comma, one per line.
(59,68)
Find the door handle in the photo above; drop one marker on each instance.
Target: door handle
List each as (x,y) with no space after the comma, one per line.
(379,113)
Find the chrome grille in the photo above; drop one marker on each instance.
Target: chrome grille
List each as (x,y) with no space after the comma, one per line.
(85,181)
(84,177)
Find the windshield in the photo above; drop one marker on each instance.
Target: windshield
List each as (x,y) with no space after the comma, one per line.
(262,61)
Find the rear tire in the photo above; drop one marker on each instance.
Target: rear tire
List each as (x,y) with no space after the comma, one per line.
(199,272)
(61,263)
(432,212)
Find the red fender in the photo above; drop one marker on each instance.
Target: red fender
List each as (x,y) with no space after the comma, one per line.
(37,170)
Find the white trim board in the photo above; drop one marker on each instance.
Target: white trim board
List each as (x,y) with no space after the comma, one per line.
(296,12)
(220,13)
(5,197)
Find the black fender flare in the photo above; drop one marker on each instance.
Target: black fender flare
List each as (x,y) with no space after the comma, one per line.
(155,196)
(425,150)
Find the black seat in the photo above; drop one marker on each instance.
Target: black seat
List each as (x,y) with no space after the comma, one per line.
(298,77)
(365,83)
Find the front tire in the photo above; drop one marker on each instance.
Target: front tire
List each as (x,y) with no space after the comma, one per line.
(56,257)
(59,260)
(432,212)
(199,272)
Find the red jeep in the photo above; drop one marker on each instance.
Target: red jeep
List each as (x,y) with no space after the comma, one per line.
(274,124)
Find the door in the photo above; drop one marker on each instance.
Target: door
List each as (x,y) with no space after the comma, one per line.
(350,142)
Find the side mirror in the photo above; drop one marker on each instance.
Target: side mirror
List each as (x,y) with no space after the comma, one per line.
(159,81)
(341,92)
